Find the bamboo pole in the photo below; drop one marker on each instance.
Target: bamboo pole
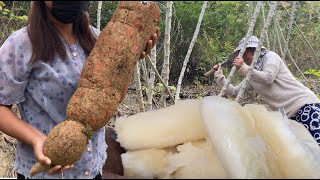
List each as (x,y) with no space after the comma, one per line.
(151,78)
(243,49)
(286,43)
(258,49)
(186,60)
(165,67)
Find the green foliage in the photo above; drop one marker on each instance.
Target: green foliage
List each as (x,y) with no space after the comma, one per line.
(11,18)
(313,72)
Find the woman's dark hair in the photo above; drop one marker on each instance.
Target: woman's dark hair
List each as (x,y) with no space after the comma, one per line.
(45,38)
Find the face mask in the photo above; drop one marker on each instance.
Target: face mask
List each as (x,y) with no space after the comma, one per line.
(69,11)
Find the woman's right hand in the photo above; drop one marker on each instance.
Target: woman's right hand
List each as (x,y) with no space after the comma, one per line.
(38,151)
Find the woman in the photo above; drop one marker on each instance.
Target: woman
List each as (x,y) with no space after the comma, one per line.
(40,66)
(273,81)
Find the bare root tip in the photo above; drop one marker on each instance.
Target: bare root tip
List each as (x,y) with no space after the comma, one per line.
(38,167)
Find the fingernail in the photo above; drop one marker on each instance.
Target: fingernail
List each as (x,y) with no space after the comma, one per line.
(48,162)
(72,166)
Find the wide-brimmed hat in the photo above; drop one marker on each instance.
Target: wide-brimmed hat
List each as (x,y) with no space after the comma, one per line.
(253,41)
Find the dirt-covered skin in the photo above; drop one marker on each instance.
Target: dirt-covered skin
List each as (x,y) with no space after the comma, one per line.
(109,68)
(104,80)
(66,149)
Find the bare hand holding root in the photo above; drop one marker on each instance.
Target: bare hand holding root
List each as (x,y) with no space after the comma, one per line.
(40,157)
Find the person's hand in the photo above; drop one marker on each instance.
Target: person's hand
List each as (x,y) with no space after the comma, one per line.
(38,151)
(150,44)
(238,62)
(216,67)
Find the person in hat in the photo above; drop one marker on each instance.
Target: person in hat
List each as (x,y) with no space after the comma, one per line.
(275,84)
(40,68)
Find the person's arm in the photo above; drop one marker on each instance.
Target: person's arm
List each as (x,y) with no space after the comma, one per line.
(231,91)
(268,74)
(11,125)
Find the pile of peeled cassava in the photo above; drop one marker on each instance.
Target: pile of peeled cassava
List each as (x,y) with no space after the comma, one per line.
(104,80)
(216,138)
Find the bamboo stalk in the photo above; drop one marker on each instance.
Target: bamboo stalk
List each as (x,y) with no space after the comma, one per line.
(243,49)
(165,67)
(151,78)
(138,88)
(186,60)
(286,43)
(159,76)
(258,49)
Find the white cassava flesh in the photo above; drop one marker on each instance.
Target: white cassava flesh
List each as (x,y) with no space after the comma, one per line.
(162,128)
(239,147)
(216,138)
(195,160)
(296,152)
(146,164)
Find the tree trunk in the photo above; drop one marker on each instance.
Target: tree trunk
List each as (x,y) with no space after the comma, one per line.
(151,78)
(138,87)
(177,97)
(165,67)
(99,14)
(258,49)
(243,49)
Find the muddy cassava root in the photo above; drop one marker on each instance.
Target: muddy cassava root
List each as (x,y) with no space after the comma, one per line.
(104,80)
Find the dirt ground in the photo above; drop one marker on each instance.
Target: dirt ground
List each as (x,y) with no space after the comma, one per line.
(128,107)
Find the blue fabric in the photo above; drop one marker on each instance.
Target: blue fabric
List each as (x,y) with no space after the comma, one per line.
(309,116)
(42,91)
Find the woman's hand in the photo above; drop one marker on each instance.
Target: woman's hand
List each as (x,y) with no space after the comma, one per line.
(38,151)
(150,44)
(238,62)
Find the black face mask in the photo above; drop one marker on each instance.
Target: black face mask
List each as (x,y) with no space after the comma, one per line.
(69,11)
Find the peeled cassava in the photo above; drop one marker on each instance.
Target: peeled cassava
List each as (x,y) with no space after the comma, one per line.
(242,142)
(104,80)
(162,128)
